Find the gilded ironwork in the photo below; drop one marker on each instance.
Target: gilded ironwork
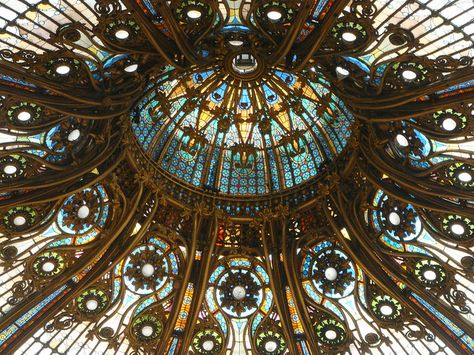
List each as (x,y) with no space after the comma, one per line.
(236,177)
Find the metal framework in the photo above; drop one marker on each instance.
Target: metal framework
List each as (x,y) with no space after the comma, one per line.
(236,177)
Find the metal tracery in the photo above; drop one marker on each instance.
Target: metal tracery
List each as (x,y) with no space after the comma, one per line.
(236,177)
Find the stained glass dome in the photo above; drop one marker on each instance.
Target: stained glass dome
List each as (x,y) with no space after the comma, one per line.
(222,132)
(236,177)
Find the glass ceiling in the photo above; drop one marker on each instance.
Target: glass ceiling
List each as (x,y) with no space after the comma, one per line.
(228,135)
(334,144)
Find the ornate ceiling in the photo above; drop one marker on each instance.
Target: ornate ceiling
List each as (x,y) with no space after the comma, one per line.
(236,177)
(229,135)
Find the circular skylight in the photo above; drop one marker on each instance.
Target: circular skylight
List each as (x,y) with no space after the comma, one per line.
(147,331)
(330,274)
(74,135)
(92,304)
(274,15)
(409,75)
(131,68)
(343,72)
(10,169)
(244,63)
(349,37)
(386,310)
(19,221)
(465,176)
(238,292)
(402,140)
(63,69)
(270,346)
(457,228)
(122,34)
(194,14)
(48,266)
(208,345)
(24,116)
(449,124)
(394,218)
(430,275)
(83,212)
(330,334)
(236,42)
(148,270)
